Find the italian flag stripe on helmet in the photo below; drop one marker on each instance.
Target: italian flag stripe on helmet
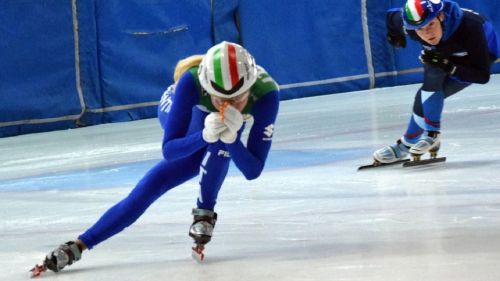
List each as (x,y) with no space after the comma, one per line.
(233,66)
(414,10)
(226,67)
(218,68)
(227,70)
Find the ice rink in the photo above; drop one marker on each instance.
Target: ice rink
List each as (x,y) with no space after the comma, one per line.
(310,216)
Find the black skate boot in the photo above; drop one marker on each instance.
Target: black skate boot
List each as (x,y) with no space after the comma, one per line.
(65,254)
(201,231)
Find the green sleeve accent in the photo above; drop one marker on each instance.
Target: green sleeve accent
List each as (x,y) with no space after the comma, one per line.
(263,85)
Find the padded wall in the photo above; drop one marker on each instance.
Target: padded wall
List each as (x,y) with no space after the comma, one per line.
(65,64)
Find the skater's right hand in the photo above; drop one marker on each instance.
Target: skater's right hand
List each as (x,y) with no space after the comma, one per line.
(213,127)
(233,119)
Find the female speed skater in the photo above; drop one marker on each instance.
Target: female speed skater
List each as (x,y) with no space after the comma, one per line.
(203,115)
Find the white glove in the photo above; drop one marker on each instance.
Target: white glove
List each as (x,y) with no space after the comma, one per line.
(228,136)
(213,127)
(232,118)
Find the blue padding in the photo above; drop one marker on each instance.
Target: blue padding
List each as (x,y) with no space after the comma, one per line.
(382,54)
(496,67)
(88,55)
(138,46)
(9,131)
(305,41)
(225,18)
(128,50)
(37,65)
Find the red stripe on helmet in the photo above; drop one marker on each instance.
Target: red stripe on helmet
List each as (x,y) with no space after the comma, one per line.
(420,9)
(233,67)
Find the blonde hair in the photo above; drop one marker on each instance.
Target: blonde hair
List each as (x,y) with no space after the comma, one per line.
(185,64)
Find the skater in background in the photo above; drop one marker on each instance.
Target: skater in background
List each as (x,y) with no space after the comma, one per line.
(203,115)
(458,49)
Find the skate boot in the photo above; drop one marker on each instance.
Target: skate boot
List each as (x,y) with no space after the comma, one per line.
(429,143)
(201,230)
(392,153)
(65,254)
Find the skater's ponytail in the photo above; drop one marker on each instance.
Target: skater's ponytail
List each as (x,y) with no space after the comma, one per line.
(185,64)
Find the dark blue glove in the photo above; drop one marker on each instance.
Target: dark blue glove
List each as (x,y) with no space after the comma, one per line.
(397,41)
(438,60)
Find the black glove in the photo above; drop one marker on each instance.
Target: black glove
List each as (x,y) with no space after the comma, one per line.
(397,41)
(438,60)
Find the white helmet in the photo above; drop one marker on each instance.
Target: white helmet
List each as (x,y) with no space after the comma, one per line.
(227,70)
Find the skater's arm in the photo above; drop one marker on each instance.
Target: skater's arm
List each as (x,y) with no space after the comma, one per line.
(475,68)
(395,31)
(175,142)
(251,159)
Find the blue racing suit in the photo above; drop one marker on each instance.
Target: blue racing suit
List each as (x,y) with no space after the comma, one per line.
(181,114)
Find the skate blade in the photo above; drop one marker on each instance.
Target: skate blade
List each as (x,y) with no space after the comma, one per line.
(424,162)
(37,270)
(197,253)
(377,164)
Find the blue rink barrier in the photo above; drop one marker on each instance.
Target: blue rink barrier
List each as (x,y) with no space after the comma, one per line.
(85,62)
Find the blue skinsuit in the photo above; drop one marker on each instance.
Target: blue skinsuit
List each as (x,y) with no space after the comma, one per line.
(186,154)
(469,42)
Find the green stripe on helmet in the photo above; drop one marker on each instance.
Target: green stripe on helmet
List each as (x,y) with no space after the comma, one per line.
(218,68)
(408,13)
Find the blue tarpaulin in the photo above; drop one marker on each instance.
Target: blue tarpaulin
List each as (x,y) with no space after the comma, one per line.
(65,64)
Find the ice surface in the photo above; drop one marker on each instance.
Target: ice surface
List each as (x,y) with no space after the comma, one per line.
(310,216)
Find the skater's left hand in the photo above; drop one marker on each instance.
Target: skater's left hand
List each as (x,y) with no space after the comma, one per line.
(438,60)
(396,40)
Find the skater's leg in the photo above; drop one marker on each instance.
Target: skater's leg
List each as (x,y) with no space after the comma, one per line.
(414,130)
(161,178)
(432,102)
(213,170)
(428,104)
(426,116)
(452,86)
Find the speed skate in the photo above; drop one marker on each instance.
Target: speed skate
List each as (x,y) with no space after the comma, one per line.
(416,160)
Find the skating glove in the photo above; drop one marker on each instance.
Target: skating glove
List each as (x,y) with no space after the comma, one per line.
(233,119)
(228,136)
(213,127)
(396,34)
(397,40)
(438,60)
